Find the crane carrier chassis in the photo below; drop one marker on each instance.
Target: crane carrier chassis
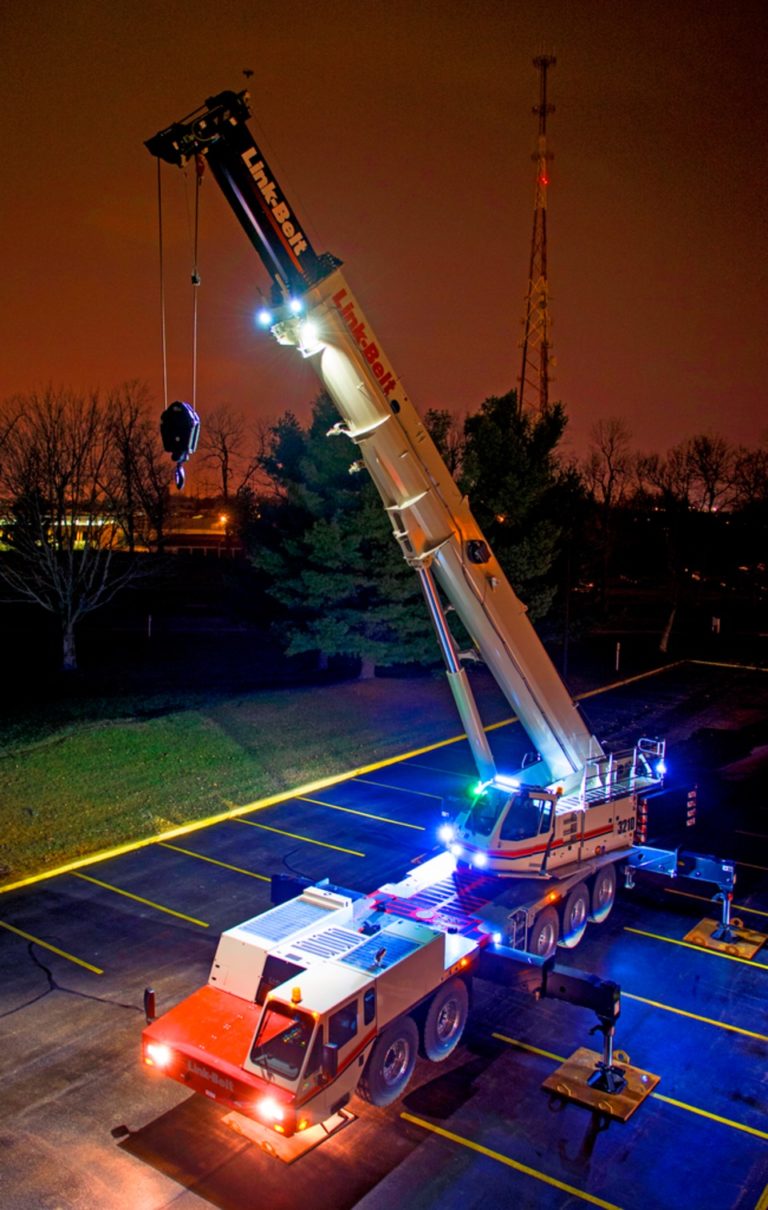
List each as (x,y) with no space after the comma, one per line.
(333,993)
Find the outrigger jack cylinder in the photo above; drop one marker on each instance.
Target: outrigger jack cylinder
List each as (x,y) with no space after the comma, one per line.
(606,1076)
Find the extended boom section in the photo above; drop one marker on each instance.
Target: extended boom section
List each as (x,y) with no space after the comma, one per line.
(316,312)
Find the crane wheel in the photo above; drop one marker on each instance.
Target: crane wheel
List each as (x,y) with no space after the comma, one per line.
(445,1020)
(575,914)
(542,939)
(390,1064)
(603,894)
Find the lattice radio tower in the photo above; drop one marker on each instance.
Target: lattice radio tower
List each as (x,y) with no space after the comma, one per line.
(536,363)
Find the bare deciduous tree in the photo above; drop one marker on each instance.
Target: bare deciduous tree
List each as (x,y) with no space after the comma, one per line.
(447,432)
(138,472)
(227,446)
(62,537)
(606,473)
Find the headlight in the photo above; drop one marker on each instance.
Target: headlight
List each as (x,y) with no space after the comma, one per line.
(446,833)
(157,1054)
(270,1110)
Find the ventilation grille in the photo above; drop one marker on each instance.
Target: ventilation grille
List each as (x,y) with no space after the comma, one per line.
(283,921)
(328,944)
(396,948)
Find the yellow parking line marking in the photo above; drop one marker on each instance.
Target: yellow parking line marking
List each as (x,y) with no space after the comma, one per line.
(763,1200)
(365,814)
(510,1163)
(214,861)
(723,664)
(681,1012)
(382,785)
(713,1117)
(295,836)
(703,1113)
(738,907)
(465,777)
(535,1050)
(149,902)
(763,966)
(53,948)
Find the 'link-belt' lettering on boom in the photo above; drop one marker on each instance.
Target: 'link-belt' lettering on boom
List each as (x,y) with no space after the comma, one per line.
(280,212)
(370,349)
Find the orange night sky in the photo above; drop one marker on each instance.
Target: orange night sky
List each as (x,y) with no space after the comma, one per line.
(403,135)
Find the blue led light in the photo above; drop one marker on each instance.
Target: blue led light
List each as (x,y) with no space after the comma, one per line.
(296,305)
(263,318)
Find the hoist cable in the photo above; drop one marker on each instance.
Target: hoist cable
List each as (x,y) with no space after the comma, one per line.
(162,284)
(199,166)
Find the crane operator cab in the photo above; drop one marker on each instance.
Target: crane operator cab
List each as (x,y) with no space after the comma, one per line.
(507,828)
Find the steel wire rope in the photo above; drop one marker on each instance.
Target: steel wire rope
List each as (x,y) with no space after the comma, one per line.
(163,335)
(199,173)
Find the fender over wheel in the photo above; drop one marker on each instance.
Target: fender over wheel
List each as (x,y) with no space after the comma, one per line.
(575,914)
(390,1064)
(445,1020)
(603,894)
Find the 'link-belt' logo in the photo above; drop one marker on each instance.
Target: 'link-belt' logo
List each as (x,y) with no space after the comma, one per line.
(280,212)
(370,349)
(213,1077)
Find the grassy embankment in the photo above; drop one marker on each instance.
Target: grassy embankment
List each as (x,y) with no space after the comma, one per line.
(84,786)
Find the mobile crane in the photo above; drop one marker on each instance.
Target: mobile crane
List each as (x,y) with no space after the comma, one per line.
(330,991)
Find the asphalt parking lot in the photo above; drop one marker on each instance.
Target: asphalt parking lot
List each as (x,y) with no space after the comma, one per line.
(83,1125)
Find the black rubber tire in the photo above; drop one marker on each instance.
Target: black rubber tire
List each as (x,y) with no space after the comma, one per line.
(575,915)
(603,894)
(445,1020)
(390,1064)
(543,936)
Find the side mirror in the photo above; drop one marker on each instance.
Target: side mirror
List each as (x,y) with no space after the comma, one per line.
(150,1005)
(330,1064)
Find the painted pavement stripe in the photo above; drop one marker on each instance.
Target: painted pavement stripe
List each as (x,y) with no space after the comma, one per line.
(698,948)
(139,899)
(46,945)
(214,861)
(383,785)
(365,814)
(738,907)
(295,836)
(510,1163)
(681,1012)
(657,1096)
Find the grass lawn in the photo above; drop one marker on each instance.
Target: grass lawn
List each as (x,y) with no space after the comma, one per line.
(83,786)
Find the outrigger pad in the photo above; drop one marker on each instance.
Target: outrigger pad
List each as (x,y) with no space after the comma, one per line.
(740,943)
(291,1149)
(571,1081)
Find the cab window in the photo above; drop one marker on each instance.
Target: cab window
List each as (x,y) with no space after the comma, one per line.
(282,1040)
(369,1005)
(342,1026)
(522,818)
